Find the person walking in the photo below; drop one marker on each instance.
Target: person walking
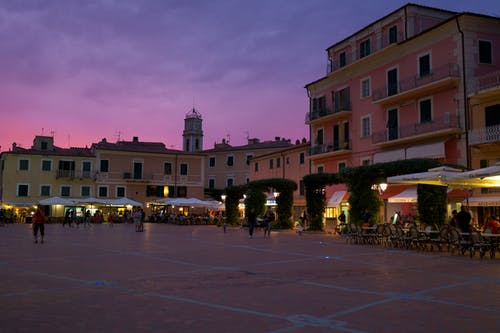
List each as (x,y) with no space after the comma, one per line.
(138,220)
(39,224)
(252,220)
(268,219)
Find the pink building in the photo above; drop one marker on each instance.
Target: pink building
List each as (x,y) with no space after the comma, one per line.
(399,89)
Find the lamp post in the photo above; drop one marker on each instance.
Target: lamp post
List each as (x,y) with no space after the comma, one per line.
(224,224)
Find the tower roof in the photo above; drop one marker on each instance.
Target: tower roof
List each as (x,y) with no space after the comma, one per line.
(193,114)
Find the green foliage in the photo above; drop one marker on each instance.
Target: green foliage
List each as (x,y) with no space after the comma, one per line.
(285,187)
(432,204)
(359,181)
(233,196)
(255,199)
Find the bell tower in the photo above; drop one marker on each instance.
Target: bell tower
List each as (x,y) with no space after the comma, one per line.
(193,132)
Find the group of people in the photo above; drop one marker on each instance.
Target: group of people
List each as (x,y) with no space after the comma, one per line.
(462,220)
(267,222)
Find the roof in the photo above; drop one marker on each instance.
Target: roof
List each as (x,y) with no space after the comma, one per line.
(137,146)
(55,151)
(251,146)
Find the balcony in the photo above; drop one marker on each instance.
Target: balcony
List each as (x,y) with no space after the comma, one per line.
(63,173)
(440,78)
(441,127)
(490,134)
(328,114)
(332,149)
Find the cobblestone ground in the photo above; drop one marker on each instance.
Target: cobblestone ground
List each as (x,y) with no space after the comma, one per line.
(198,279)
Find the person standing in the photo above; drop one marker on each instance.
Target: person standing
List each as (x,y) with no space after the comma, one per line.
(453,220)
(39,224)
(138,220)
(464,218)
(252,220)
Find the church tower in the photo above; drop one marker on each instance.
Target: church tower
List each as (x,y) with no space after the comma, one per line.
(193,132)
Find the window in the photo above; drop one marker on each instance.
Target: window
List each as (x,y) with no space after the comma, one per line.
(342,59)
(66,169)
(182,191)
(365,88)
(256,166)
(425,107)
(365,162)
(249,157)
(158,191)
(23,190)
(86,169)
(211,162)
(342,100)
(44,145)
(85,191)
(167,168)
(319,137)
(120,191)
(137,170)
(365,127)
(393,34)
(103,191)
(341,166)
(45,190)
(184,169)
(392,82)
(24,164)
(278,162)
(65,191)
(211,183)
(321,169)
(271,163)
(229,182)
(230,160)
(485,55)
(424,65)
(492,115)
(302,187)
(104,166)
(46,165)
(364,48)
(302,158)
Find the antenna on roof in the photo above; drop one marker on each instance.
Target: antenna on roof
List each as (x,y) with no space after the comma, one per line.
(118,134)
(248,134)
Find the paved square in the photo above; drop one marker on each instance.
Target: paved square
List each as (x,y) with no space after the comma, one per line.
(198,279)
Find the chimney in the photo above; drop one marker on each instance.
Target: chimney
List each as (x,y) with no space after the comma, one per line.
(135,139)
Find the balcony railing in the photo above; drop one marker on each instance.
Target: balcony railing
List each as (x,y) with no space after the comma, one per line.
(484,135)
(447,122)
(310,116)
(416,81)
(328,148)
(487,81)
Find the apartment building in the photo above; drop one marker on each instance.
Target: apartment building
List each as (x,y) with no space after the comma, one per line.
(287,163)
(29,175)
(401,88)
(228,165)
(144,171)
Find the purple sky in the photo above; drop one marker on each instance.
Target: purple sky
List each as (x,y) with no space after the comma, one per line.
(87,70)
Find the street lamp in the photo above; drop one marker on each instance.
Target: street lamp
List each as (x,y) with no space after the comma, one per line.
(381,189)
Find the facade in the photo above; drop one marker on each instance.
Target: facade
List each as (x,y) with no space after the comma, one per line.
(42,171)
(287,163)
(228,165)
(145,171)
(400,88)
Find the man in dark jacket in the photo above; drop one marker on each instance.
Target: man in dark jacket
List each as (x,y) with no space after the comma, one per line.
(464,218)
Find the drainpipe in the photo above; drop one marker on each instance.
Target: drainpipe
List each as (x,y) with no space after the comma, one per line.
(466,102)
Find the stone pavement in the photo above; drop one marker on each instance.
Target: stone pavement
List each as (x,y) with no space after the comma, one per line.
(198,279)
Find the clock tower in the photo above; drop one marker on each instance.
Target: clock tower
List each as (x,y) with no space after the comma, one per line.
(193,132)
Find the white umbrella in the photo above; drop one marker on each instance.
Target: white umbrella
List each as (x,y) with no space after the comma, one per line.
(56,201)
(435,176)
(485,177)
(124,202)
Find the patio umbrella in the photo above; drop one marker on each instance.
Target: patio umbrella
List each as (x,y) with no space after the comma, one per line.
(484,177)
(56,201)
(124,202)
(435,176)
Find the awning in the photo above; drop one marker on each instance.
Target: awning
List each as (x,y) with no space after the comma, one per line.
(407,196)
(393,190)
(456,194)
(483,201)
(336,198)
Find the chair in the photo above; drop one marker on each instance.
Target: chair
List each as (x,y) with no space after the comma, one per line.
(478,243)
(443,238)
(457,242)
